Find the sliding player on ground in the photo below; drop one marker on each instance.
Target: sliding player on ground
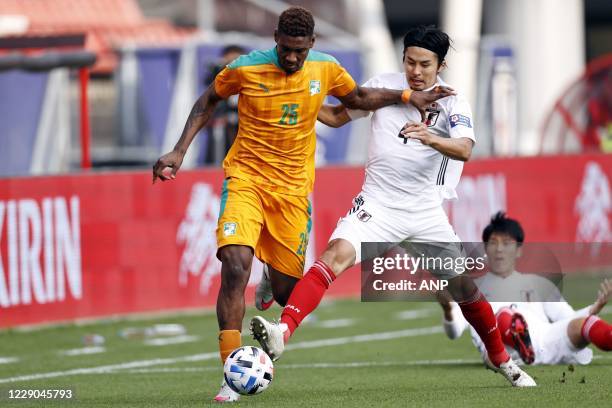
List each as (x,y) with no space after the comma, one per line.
(537,325)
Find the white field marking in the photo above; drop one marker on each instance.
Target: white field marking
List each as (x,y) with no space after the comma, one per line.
(8,360)
(416,314)
(168,315)
(210,356)
(335,323)
(361,338)
(356,364)
(82,350)
(171,340)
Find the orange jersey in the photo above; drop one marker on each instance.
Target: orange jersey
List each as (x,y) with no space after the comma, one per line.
(276,140)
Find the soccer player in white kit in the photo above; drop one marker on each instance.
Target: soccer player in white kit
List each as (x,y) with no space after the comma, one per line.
(414,163)
(538,326)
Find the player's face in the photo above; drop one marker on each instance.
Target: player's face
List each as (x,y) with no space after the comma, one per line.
(502,252)
(422,67)
(292,51)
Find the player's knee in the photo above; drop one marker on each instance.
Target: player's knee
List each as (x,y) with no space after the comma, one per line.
(234,274)
(339,255)
(462,288)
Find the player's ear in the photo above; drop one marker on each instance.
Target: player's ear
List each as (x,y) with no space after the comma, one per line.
(312,40)
(519,251)
(442,66)
(276,36)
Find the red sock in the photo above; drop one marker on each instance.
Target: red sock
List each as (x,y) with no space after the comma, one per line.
(306,295)
(479,314)
(504,321)
(597,332)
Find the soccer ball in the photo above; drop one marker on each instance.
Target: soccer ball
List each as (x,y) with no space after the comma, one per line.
(248,370)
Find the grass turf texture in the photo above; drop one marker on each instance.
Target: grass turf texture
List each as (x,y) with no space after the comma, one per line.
(422,370)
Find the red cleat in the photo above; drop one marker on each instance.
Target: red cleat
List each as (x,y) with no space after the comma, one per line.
(521,339)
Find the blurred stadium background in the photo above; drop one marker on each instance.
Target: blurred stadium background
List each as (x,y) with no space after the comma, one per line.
(93,91)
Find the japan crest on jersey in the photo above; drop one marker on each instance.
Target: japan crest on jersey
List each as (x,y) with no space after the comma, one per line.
(363,216)
(431,116)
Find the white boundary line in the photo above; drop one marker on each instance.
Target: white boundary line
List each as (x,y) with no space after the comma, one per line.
(334,323)
(361,338)
(82,351)
(105,369)
(166,341)
(354,364)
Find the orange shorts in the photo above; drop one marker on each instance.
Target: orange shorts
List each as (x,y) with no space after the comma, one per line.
(277,226)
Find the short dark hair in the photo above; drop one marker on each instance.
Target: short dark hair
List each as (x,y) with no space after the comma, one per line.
(296,22)
(232,48)
(429,37)
(501,224)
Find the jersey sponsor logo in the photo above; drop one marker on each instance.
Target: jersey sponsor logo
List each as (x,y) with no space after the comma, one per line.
(458,119)
(431,115)
(315,87)
(229,228)
(363,216)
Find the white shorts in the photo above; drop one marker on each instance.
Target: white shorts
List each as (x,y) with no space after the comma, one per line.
(369,221)
(552,344)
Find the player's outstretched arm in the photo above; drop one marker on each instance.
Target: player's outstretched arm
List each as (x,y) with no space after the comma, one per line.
(370,99)
(200,114)
(333,115)
(456,148)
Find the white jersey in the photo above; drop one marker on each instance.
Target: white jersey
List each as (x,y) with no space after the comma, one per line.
(547,320)
(403,172)
(533,294)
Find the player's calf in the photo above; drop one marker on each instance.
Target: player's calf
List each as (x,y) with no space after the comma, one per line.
(478,312)
(597,331)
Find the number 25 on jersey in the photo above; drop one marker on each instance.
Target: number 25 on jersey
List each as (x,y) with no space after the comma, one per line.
(290,114)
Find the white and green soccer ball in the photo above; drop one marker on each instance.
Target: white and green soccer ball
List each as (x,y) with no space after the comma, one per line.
(248,370)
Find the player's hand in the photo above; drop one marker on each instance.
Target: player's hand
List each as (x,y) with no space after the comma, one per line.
(172,160)
(418,131)
(603,295)
(422,99)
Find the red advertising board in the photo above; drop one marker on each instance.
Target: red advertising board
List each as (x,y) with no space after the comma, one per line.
(111,243)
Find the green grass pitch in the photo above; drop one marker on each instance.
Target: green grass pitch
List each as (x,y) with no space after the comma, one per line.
(349,354)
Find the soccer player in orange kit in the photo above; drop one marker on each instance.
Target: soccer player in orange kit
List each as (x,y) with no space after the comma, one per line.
(269,170)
